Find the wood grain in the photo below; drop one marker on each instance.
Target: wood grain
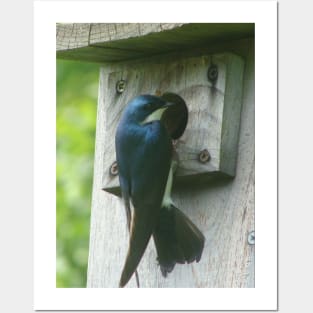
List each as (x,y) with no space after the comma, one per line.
(223,209)
(124,41)
(214,112)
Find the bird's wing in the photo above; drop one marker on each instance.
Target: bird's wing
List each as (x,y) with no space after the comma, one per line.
(125,194)
(149,173)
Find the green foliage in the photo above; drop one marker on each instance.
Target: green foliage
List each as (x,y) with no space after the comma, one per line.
(77,90)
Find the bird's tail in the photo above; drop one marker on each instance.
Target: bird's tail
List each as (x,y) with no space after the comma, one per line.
(177,239)
(142,226)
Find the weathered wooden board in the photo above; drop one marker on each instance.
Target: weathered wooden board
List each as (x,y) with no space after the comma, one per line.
(214,112)
(123,41)
(71,36)
(223,210)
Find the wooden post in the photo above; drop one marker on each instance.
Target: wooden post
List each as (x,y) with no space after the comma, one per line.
(222,207)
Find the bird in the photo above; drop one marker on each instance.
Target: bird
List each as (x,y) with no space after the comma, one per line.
(144,155)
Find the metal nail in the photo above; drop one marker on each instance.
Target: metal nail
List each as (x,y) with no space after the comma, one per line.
(120,86)
(204,156)
(251,238)
(212,73)
(113,169)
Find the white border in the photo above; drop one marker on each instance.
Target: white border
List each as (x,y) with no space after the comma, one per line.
(47,296)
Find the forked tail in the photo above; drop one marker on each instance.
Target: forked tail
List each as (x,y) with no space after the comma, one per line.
(142,226)
(177,239)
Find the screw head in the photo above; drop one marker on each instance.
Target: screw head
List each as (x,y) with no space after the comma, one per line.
(251,238)
(204,156)
(113,169)
(120,86)
(212,73)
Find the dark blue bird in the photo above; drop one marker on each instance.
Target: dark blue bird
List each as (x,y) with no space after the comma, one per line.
(145,165)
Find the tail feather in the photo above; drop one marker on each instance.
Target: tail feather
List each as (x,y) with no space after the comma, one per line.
(140,233)
(190,237)
(177,239)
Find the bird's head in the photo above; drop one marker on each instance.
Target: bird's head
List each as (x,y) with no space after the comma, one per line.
(146,108)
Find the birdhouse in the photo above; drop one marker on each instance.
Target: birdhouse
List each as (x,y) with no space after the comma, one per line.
(207,71)
(210,88)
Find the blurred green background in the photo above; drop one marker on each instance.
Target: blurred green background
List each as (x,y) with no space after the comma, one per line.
(77,90)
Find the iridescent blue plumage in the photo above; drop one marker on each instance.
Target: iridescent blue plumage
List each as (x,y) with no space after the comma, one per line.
(144,156)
